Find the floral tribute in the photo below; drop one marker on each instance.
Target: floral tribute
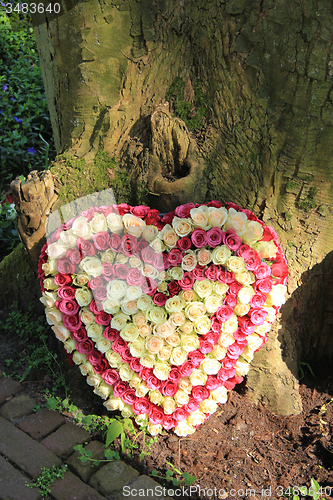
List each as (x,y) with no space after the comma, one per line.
(163,313)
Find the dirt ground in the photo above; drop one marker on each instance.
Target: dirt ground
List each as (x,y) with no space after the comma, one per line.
(243,450)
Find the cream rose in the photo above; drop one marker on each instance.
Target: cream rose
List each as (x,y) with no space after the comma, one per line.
(141,419)
(145,330)
(139,319)
(108,256)
(94,379)
(208,406)
(113,404)
(242,367)
(113,358)
(67,239)
(53,316)
(241,309)
(129,332)
(86,368)
(226,339)
(103,390)
(95,331)
(169,236)
(87,316)
(203,288)
(155,397)
(183,429)
(103,345)
(220,288)
(219,352)
(196,418)
(217,216)
(161,370)
(50,267)
(188,295)
(204,256)
(135,381)
(212,303)
(181,397)
(92,266)
(149,233)
(116,289)
(129,306)
(210,366)
(245,294)
(141,390)
(111,306)
(168,405)
(245,277)
(173,340)
(202,325)
(81,228)
(164,353)
(236,221)
(174,304)
(61,332)
(147,360)
(253,233)
(56,251)
(178,356)
(157,245)
(198,377)
(182,227)
(175,273)
(49,284)
(137,348)
(221,254)
(145,302)
(133,225)
(98,223)
(125,372)
(263,329)
(79,358)
(154,344)
(164,330)
(83,296)
(135,262)
(195,310)
(163,286)
(156,315)
(115,223)
(187,327)
(230,326)
(189,261)
(48,299)
(154,429)
(185,384)
(266,249)
(277,296)
(177,318)
(121,258)
(220,395)
(236,264)
(200,217)
(80,279)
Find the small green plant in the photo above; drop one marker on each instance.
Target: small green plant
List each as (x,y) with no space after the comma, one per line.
(47,477)
(310,201)
(301,370)
(296,493)
(191,112)
(33,356)
(85,455)
(175,476)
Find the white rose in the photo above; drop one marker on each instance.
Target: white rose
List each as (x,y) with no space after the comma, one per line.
(245,277)
(168,405)
(137,348)
(55,251)
(48,299)
(202,325)
(108,256)
(173,340)
(175,273)
(242,367)
(198,377)
(133,225)
(177,318)
(53,316)
(219,352)
(103,344)
(210,366)
(203,287)
(125,372)
(208,406)
(188,295)
(61,332)
(174,304)
(87,316)
(83,296)
(212,303)
(79,358)
(147,360)
(135,262)
(92,266)
(94,379)
(149,233)
(221,254)
(80,279)
(141,390)
(181,397)
(50,267)
(245,294)
(182,227)
(226,339)
(217,216)
(156,315)
(253,233)
(196,418)
(111,306)
(169,236)
(81,228)
(161,370)
(157,245)
(183,429)
(116,289)
(220,288)
(236,264)
(241,309)
(113,404)
(67,239)
(164,353)
(263,329)
(236,221)
(185,384)
(266,249)
(230,326)
(103,390)
(154,429)
(200,217)
(141,419)
(155,397)
(98,223)
(129,306)
(115,223)
(139,319)
(95,331)
(220,395)
(113,358)
(130,332)
(145,302)
(277,296)
(195,310)
(86,368)
(178,356)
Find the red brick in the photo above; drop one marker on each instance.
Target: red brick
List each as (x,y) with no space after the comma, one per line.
(62,441)
(8,387)
(18,407)
(72,488)
(13,483)
(42,423)
(27,454)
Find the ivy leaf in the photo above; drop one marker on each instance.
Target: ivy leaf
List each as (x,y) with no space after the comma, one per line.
(114,430)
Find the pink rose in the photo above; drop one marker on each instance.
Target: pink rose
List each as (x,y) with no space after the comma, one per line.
(230,300)
(65,266)
(156,415)
(205,346)
(85,347)
(121,271)
(145,373)
(212,337)
(95,357)
(229,363)
(225,373)
(119,388)
(174,288)
(134,276)
(212,272)
(180,414)
(230,384)
(239,335)
(103,318)
(175,257)
(192,405)
(141,245)
(184,243)
(199,273)
(183,211)
(101,240)
(216,324)
(149,286)
(246,325)
(160,299)
(215,204)
(153,383)
(187,281)
(169,388)
(252,261)
(279,268)
(234,288)
(141,405)
(148,255)
(72,322)
(86,247)
(265,285)
(129,396)
(110,376)
(108,271)
(115,242)
(224,276)
(119,345)
(174,375)
(152,217)
(199,238)
(200,393)
(232,241)
(122,209)
(196,357)
(235,350)
(66,292)
(258,316)
(100,293)
(126,355)
(99,368)
(95,282)
(135,365)
(67,306)
(224,313)
(79,335)
(212,383)
(214,237)
(262,271)
(89,213)
(169,422)
(93,306)
(244,251)
(62,279)
(74,255)
(105,210)
(128,245)
(186,369)
(140,211)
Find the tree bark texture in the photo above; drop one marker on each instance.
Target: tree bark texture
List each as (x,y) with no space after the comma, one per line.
(267,141)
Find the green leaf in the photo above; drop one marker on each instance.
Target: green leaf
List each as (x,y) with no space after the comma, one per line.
(154,473)
(175,482)
(83,459)
(114,430)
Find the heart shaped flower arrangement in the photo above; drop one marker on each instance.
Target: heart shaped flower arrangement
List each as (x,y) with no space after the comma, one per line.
(163,313)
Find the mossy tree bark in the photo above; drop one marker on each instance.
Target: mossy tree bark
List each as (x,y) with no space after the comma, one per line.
(267,68)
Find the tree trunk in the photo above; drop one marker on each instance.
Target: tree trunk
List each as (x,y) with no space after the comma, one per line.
(266,140)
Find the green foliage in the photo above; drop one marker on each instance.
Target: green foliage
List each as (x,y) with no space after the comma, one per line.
(191,112)
(301,370)
(310,201)
(25,129)
(175,476)
(9,237)
(33,357)
(47,477)
(297,493)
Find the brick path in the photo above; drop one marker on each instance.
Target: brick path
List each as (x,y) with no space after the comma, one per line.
(30,441)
